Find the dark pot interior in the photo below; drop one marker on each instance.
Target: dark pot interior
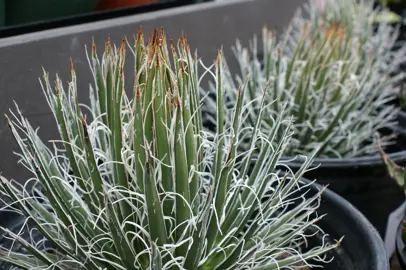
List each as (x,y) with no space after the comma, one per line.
(363,181)
(362,248)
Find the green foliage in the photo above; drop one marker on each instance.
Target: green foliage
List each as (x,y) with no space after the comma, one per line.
(135,183)
(331,73)
(358,20)
(334,95)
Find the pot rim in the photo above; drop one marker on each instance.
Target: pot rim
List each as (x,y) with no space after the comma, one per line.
(367,231)
(362,161)
(400,245)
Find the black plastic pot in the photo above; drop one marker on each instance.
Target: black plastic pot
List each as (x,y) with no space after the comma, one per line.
(400,248)
(402,119)
(363,181)
(362,248)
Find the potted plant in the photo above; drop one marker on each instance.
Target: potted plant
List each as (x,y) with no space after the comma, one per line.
(359,19)
(394,13)
(381,39)
(398,173)
(382,29)
(136,183)
(337,86)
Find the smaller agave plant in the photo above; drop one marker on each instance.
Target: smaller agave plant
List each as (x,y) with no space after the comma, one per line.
(337,99)
(135,182)
(360,20)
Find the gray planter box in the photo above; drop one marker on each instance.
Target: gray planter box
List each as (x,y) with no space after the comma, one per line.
(207,25)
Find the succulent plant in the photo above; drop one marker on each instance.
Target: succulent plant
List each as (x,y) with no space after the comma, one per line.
(357,19)
(377,30)
(337,98)
(135,182)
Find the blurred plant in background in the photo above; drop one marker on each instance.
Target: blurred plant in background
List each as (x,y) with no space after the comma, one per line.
(332,73)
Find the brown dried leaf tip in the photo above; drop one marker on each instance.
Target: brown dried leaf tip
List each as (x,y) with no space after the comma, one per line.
(162,38)
(336,29)
(182,69)
(72,70)
(157,62)
(138,92)
(84,125)
(239,92)
(140,36)
(122,47)
(93,48)
(183,40)
(155,37)
(172,44)
(108,45)
(219,56)
(57,89)
(178,102)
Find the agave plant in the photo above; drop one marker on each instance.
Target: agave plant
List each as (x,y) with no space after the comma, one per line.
(358,19)
(334,73)
(337,98)
(135,183)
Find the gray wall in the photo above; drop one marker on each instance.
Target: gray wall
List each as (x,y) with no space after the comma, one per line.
(208,27)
